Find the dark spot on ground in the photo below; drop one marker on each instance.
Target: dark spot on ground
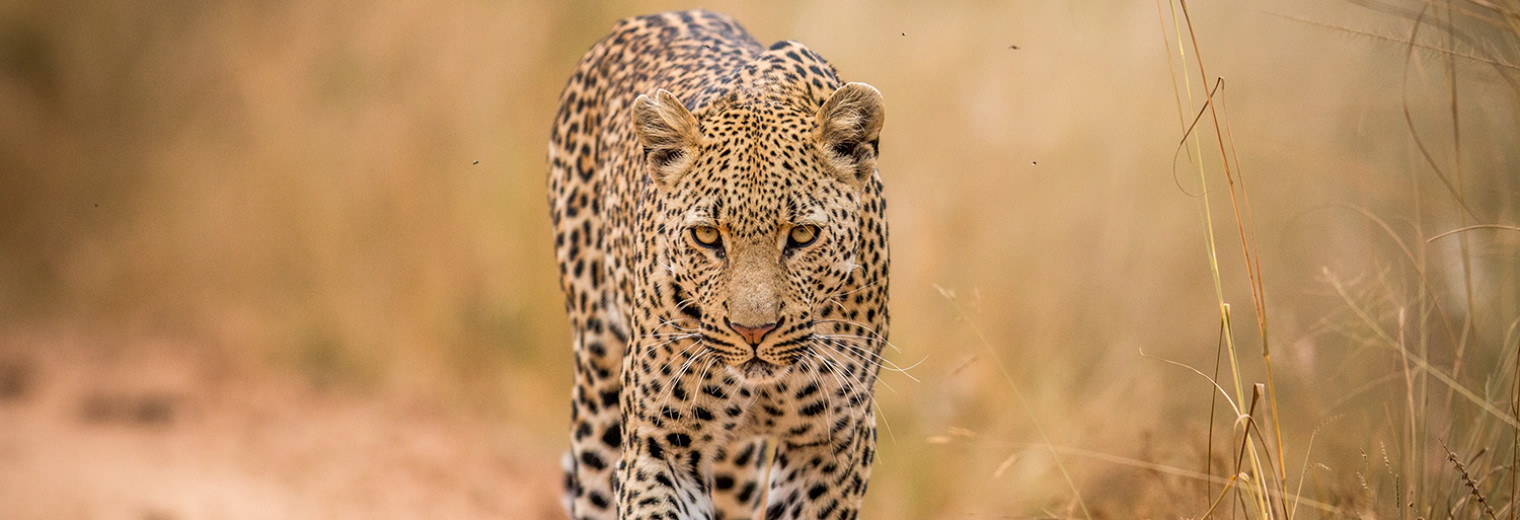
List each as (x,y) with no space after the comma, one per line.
(16,379)
(158,515)
(137,410)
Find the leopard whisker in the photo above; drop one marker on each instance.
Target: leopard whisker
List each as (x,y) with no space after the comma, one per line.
(835,371)
(866,327)
(685,353)
(845,386)
(865,360)
(877,359)
(842,340)
(683,304)
(676,378)
(696,387)
(677,335)
(838,365)
(827,398)
(677,357)
(837,304)
(851,389)
(672,322)
(667,342)
(869,395)
(701,378)
(853,291)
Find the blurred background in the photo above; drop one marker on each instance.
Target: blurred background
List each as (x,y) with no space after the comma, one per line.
(290,259)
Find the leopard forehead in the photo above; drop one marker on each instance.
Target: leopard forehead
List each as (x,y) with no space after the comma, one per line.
(702,215)
(758,168)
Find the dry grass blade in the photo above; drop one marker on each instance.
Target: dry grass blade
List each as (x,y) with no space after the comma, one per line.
(997,360)
(1245,230)
(1200,373)
(1389,39)
(1467,480)
(1470,228)
(1188,474)
(1003,466)
(1420,362)
(1409,59)
(1414,263)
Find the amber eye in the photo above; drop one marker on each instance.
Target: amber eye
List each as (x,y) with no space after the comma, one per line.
(706,235)
(802,235)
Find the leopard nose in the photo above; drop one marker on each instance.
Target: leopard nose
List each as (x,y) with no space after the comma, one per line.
(752,334)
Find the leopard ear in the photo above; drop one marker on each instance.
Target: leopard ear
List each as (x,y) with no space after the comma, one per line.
(668,133)
(849,125)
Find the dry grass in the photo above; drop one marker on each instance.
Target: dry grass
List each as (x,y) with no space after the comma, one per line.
(1259,483)
(350,196)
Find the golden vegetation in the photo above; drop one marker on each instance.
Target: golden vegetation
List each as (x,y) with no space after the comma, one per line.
(353,192)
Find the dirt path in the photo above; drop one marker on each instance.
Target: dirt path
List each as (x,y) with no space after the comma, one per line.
(158,432)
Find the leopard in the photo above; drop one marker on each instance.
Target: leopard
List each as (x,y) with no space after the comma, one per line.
(721,236)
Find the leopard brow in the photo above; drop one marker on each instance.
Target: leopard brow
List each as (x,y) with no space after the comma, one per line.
(700,218)
(811,220)
(813,217)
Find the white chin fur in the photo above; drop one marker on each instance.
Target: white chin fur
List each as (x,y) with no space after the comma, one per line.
(756,371)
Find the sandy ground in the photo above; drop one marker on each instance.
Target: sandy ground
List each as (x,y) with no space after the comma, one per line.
(160,432)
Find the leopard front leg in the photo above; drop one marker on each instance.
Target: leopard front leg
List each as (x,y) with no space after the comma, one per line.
(823,480)
(657,480)
(671,429)
(596,435)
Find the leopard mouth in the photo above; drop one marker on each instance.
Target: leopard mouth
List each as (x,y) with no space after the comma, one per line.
(756,366)
(758,370)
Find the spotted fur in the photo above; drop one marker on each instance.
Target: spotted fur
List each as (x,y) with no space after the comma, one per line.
(700,359)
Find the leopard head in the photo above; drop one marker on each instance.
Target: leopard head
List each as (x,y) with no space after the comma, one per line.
(759,215)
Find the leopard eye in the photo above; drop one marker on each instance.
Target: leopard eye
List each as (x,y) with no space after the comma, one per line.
(706,235)
(802,235)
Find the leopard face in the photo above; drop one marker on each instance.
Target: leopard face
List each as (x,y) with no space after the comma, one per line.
(759,217)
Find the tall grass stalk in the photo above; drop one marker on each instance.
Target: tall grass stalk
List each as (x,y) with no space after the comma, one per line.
(1269,469)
